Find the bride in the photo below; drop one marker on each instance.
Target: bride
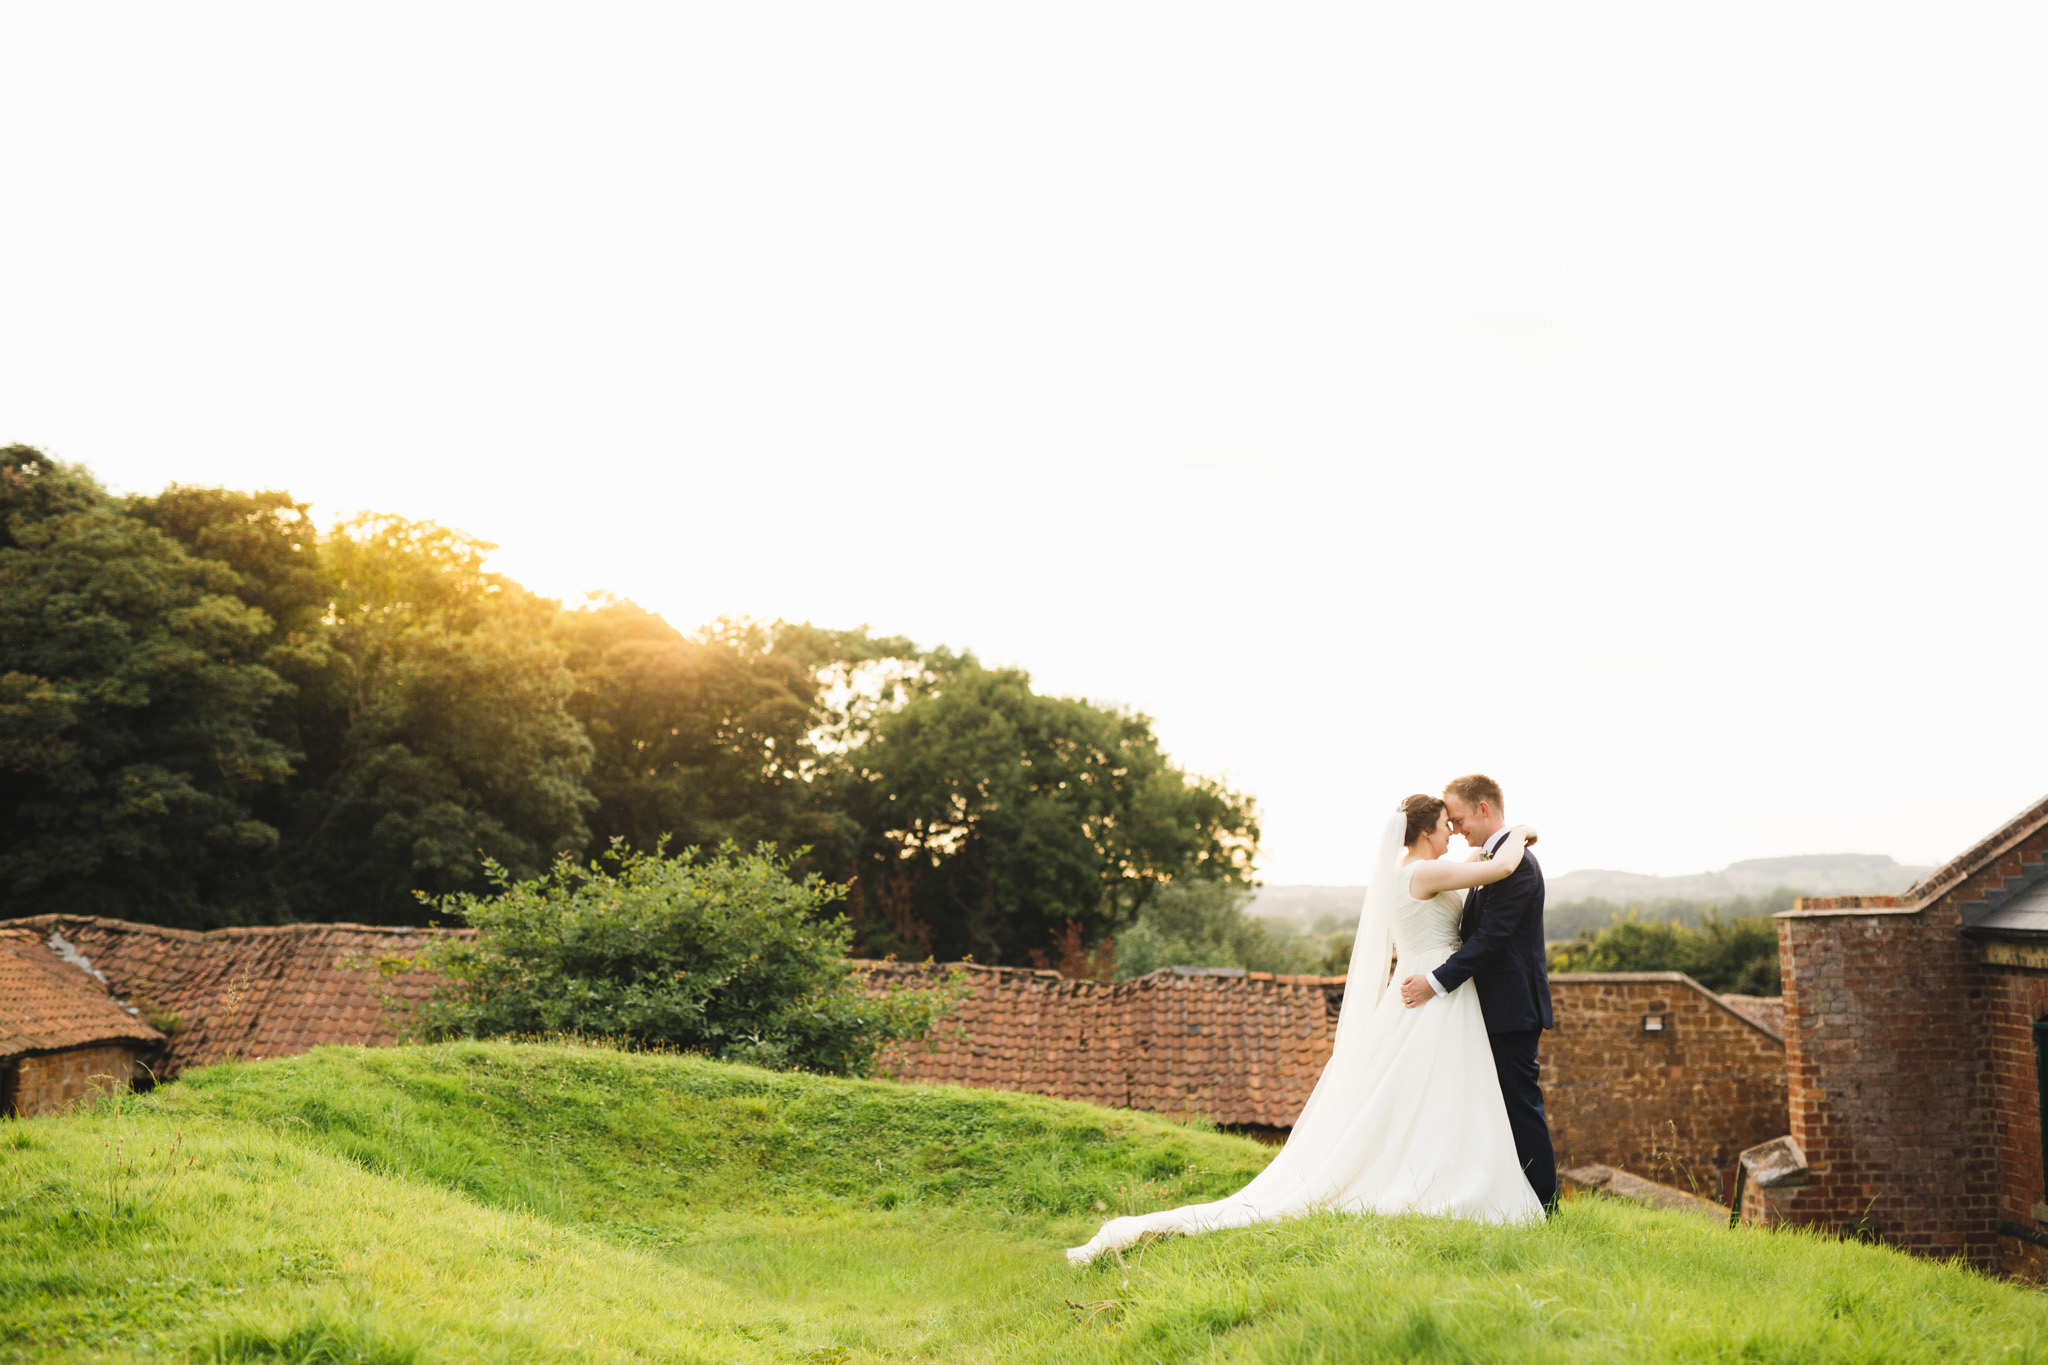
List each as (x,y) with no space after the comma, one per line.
(1407,1116)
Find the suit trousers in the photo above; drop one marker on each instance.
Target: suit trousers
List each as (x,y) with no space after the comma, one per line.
(1514,1060)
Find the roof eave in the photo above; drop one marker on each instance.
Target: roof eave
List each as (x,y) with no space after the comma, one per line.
(1979,855)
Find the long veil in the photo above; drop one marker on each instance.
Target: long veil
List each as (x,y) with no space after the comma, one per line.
(1372,952)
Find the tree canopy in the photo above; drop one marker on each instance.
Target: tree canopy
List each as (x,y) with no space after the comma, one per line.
(993,818)
(135,735)
(213,713)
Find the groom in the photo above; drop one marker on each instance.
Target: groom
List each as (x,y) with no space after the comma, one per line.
(1503,958)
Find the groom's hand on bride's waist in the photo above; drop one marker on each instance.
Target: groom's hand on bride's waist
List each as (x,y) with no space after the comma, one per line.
(1416,991)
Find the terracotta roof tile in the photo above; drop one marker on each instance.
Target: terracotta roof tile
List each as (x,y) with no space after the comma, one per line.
(257,992)
(47,1003)
(1238,1050)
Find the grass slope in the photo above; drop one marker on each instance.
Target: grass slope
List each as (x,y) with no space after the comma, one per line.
(493,1202)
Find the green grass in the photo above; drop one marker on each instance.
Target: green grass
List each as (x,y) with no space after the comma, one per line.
(493,1202)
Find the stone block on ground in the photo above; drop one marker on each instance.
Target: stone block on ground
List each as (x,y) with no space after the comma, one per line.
(1619,1184)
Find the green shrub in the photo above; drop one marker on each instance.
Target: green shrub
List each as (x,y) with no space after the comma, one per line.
(728,956)
(1737,956)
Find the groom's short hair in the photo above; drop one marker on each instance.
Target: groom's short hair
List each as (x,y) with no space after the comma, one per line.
(1473,788)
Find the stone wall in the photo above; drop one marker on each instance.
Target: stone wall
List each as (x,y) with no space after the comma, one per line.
(55,1081)
(1679,1105)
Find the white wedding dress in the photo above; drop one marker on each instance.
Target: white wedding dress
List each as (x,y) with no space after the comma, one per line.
(1407,1116)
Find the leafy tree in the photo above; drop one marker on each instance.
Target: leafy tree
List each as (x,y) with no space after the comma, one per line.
(999,822)
(1734,956)
(267,538)
(730,955)
(210,713)
(271,543)
(1204,924)
(134,712)
(701,739)
(445,737)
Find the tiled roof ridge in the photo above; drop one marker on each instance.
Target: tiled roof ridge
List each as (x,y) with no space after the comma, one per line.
(1163,977)
(300,928)
(872,964)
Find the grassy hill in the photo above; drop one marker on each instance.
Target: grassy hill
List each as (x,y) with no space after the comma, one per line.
(490,1202)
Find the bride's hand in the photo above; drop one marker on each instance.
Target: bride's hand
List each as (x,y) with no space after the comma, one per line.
(1528,833)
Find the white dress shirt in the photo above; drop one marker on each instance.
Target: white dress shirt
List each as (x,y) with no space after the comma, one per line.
(1490,847)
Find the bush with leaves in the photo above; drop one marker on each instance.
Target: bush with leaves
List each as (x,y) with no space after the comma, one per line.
(728,955)
(1736,956)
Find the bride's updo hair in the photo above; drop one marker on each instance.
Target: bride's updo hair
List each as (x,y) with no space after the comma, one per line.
(1422,812)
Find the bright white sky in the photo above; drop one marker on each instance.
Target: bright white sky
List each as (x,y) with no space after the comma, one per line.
(1643,404)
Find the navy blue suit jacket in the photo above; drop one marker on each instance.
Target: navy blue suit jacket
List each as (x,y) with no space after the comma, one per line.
(1503,952)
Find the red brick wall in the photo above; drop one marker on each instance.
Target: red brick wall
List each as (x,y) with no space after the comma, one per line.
(1758,1208)
(1678,1106)
(1904,1073)
(58,1080)
(2013,998)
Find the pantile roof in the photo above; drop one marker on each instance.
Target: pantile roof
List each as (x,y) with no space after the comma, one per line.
(47,1004)
(1241,1049)
(250,993)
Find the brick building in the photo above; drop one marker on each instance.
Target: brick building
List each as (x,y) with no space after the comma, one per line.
(1916,1034)
(63,1038)
(1649,1071)
(248,993)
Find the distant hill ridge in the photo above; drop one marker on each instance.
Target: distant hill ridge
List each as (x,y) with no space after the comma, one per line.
(1812,874)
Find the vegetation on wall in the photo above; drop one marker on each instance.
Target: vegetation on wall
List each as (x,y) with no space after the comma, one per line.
(211,713)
